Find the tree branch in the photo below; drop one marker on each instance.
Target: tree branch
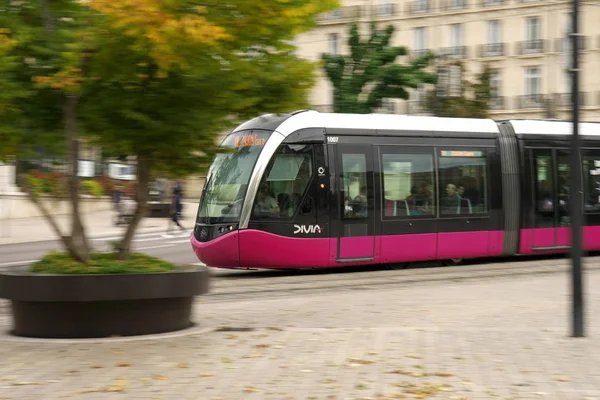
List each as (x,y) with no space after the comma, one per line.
(51,220)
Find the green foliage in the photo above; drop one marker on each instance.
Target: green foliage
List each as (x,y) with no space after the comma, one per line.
(473,102)
(104,263)
(46,183)
(156,79)
(93,187)
(369,74)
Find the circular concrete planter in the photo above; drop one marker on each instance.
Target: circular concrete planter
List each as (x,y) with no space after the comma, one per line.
(93,306)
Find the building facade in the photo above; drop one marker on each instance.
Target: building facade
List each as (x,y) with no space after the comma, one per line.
(523,41)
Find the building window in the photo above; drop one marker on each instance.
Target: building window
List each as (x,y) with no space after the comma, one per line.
(463,181)
(408,182)
(496,91)
(420,5)
(420,39)
(532,28)
(387,105)
(333,44)
(495,84)
(533,82)
(494,32)
(385,8)
(456,35)
(533,36)
(456,4)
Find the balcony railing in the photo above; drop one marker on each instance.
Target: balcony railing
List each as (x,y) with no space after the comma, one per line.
(449,5)
(456,52)
(531,101)
(419,53)
(492,3)
(565,99)
(420,6)
(535,46)
(491,50)
(342,14)
(560,43)
(498,103)
(417,107)
(385,10)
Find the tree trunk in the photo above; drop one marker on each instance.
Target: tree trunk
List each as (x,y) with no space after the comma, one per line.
(143,179)
(77,242)
(47,15)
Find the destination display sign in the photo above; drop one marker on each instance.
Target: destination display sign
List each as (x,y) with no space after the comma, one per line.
(247,139)
(461,153)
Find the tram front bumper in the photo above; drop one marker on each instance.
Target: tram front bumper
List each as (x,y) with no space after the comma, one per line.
(222,252)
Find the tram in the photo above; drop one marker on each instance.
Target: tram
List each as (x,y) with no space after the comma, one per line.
(313,190)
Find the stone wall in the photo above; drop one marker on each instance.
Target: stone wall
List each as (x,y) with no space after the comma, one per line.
(14,206)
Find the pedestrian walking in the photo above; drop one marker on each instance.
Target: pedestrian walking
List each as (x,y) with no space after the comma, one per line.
(175,211)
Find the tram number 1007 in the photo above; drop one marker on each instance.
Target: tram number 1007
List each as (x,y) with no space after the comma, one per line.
(332,139)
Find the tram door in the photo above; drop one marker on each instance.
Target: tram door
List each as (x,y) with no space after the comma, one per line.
(551,192)
(356,211)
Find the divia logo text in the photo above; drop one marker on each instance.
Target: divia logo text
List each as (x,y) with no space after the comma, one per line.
(307,229)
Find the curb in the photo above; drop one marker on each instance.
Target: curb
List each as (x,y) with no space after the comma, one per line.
(7,337)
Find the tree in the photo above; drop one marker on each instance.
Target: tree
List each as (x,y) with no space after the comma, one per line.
(369,74)
(473,101)
(156,79)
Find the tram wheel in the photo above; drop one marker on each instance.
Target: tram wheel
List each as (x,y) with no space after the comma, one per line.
(393,266)
(453,261)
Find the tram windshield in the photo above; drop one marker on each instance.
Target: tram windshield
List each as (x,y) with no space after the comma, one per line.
(229,175)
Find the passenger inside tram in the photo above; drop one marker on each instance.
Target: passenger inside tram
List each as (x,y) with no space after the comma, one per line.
(359,204)
(266,205)
(451,202)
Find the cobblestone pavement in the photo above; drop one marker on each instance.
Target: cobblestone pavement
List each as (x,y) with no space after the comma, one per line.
(501,335)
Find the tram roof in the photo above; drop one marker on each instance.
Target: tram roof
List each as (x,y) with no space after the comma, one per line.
(382,122)
(541,127)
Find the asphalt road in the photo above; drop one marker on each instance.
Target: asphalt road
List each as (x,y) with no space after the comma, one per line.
(176,249)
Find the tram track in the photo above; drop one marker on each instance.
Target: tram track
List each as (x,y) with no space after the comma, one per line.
(258,284)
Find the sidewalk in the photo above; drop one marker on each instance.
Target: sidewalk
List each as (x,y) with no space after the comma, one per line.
(489,339)
(97,224)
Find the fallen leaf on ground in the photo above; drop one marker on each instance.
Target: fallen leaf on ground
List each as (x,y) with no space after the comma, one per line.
(206,375)
(442,374)
(360,361)
(161,378)
(123,364)
(183,365)
(118,386)
(274,328)
(562,378)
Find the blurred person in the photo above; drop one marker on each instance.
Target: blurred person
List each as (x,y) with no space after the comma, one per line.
(176,210)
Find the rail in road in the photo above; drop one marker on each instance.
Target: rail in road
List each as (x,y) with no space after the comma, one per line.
(233,285)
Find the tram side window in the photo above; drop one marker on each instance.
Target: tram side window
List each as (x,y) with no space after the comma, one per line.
(285,183)
(463,182)
(354,186)
(591,180)
(408,189)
